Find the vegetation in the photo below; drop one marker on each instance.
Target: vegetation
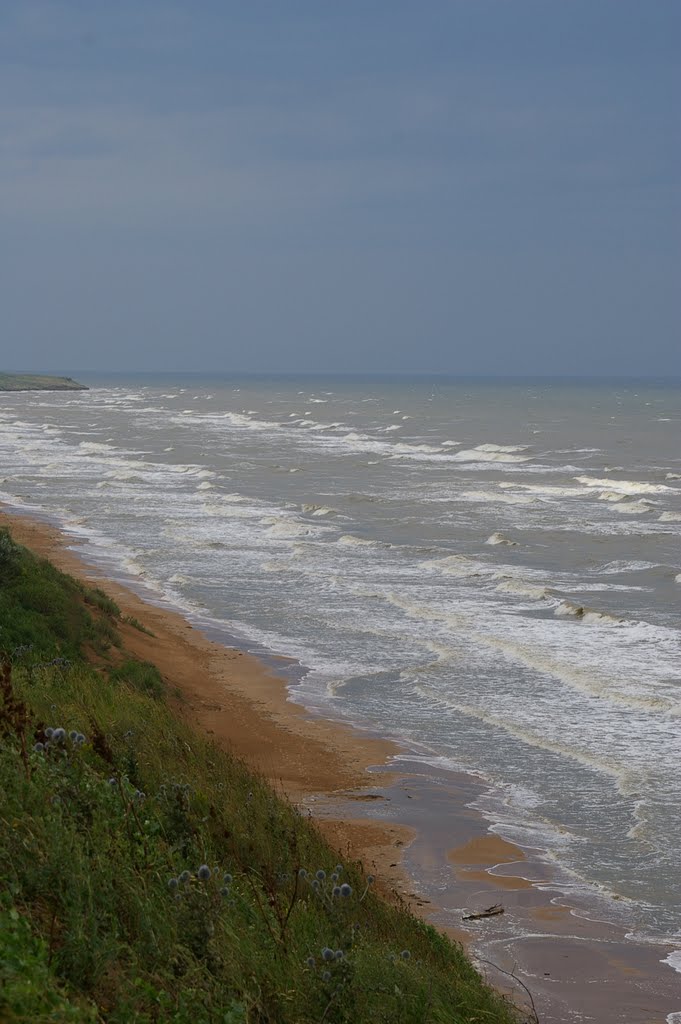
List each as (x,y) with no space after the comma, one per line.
(149,876)
(38,382)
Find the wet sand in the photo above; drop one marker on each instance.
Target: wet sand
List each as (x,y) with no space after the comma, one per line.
(412,826)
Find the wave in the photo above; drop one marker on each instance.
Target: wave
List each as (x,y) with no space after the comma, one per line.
(279,527)
(547,490)
(587,615)
(349,540)
(318,510)
(624,486)
(634,508)
(524,589)
(501,447)
(670,517)
(493,497)
(484,454)
(672,476)
(97,447)
(498,538)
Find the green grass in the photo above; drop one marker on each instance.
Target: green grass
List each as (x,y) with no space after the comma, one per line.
(104,914)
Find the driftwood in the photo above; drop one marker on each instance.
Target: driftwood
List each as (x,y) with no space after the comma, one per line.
(490,912)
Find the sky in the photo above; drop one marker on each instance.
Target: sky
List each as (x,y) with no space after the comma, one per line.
(452,186)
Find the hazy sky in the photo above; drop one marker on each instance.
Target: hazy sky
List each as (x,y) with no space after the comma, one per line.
(461,186)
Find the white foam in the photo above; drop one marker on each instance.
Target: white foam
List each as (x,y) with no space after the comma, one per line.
(672,476)
(670,517)
(674,961)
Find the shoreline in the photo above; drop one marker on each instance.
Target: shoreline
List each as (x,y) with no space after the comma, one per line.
(409,823)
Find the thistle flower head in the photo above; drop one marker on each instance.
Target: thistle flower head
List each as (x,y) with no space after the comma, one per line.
(321,875)
(339,954)
(112,782)
(345,889)
(339,868)
(302,873)
(185,876)
(73,735)
(326,975)
(59,735)
(310,962)
(315,883)
(336,890)
(334,876)
(49,732)
(405,954)
(203,873)
(172,883)
(38,747)
(227,879)
(328,954)
(370,879)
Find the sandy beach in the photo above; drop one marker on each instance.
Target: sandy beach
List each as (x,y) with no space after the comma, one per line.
(411,826)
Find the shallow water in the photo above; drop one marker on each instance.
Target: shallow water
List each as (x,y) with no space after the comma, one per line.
(488,572)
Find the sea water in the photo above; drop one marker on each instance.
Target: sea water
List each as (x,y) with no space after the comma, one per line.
(486,571)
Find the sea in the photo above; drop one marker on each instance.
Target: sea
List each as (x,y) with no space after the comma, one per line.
(486,571)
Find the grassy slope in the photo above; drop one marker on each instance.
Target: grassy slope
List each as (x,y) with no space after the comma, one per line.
(38,382)
(96,922)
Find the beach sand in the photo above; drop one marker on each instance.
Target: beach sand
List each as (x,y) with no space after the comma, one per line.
(411,826)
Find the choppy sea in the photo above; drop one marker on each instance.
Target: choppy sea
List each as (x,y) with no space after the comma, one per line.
(487,571)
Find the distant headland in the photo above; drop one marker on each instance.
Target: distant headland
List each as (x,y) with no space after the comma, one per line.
(38,382)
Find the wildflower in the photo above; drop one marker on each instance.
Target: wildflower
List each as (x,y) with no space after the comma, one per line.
(405,954)
(227,879)
(139,795)
(328,954)
(339,869)
(185,876)
(38,747)
(172,883)
(59,735)
(336,890)
(310,962)
(339,954)
(334,876)
(370,879)
(73,735)
(112,782)
(321,875)
(80,739)
(326,976)
(203,873)
(345,889)
(49,732)
(302,873)
(315,884)
(224,891)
